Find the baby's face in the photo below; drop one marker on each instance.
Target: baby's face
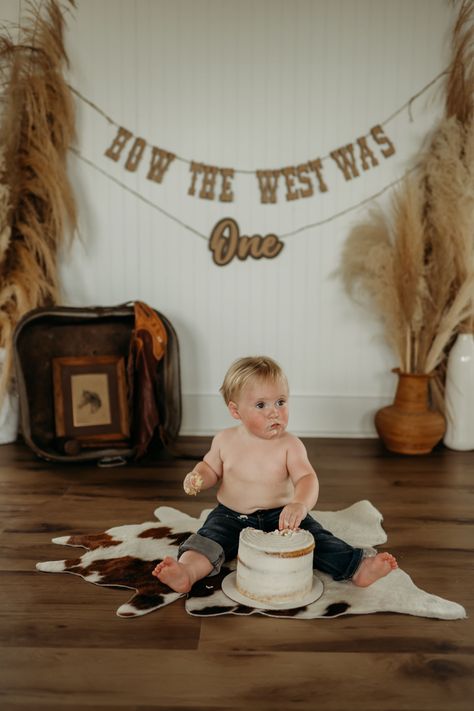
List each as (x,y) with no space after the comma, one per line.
(262,407)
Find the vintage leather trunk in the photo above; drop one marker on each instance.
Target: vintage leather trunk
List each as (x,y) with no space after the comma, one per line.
(70,332)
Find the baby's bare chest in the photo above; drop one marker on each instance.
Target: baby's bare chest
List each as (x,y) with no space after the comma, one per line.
(255,461)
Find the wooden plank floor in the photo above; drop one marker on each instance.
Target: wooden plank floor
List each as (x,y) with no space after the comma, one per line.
(62,647)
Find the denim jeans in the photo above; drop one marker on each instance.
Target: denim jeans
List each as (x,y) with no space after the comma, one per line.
(218,540)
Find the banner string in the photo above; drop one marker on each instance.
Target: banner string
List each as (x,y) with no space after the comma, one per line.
(349,209)
(292,233)
(407,105)
(137,194)
(298,230)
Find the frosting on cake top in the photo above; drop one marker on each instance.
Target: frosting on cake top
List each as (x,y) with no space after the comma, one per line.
(277,542)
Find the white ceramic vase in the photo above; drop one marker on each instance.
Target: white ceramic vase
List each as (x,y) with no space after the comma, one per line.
(459,394)
(9,411)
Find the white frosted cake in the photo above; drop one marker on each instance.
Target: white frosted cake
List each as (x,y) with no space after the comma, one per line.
(275,567)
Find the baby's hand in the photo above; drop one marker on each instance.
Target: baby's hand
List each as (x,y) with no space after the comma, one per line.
(291,516)
(192,483)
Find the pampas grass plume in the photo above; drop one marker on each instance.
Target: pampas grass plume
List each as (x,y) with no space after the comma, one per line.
(424,292)
(36,131)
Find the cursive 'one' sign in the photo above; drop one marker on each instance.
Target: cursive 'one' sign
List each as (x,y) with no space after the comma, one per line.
(226,242)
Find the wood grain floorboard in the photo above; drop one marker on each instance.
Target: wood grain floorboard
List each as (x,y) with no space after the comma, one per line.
(283,680)
(63,647)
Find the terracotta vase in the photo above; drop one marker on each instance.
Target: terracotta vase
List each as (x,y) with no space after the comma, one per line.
(410,426)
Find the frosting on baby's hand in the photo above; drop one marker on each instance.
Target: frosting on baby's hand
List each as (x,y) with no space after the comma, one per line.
(192,483)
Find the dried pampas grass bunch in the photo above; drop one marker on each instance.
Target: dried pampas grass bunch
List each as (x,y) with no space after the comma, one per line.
(37,205)
(416,264)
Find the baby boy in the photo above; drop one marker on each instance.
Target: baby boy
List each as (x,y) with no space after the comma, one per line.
(265,480)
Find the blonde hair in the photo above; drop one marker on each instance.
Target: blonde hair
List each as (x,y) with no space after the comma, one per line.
(243,370)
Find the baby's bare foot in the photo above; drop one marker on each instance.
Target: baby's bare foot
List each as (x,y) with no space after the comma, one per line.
(371,569)
(173,574)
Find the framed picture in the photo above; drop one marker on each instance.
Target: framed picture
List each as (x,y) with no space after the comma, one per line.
(90,399)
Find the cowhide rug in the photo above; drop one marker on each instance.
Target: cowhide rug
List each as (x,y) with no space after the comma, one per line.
(124,556)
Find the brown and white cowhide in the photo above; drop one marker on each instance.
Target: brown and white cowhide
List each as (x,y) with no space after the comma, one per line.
(124,556)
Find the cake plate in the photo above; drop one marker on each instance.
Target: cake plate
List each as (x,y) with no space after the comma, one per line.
(230,589)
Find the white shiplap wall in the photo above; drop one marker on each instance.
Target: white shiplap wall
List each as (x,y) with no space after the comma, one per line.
(247,84)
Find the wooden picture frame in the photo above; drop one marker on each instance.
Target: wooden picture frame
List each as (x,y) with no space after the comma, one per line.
(90,399)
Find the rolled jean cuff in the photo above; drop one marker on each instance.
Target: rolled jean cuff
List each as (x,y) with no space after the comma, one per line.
(207,547)
(359,555)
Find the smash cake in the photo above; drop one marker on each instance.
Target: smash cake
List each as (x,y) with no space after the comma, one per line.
(275,568)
